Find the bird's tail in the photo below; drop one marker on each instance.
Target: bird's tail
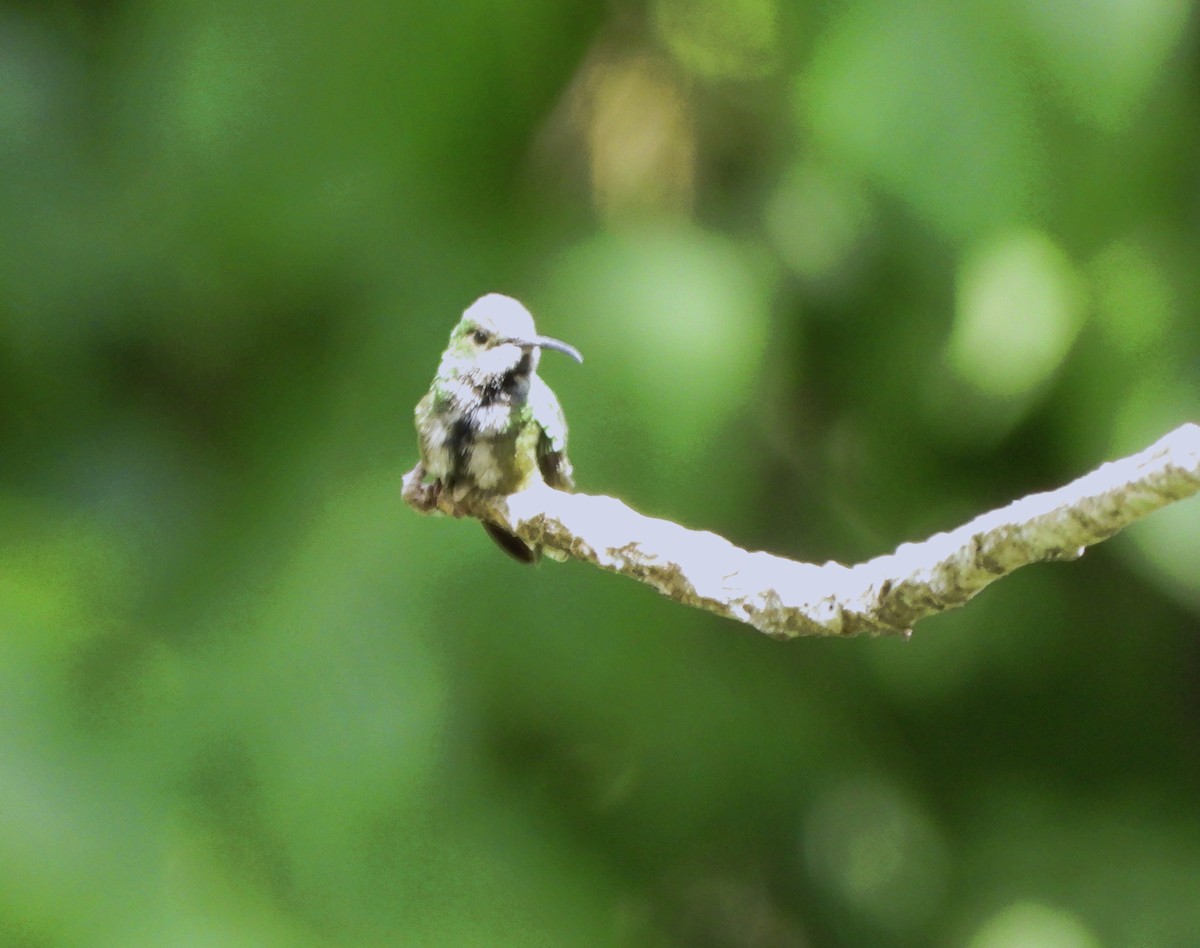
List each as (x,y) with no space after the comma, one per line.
(518,549)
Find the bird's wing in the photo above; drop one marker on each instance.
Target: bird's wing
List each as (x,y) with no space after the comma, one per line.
(552,440)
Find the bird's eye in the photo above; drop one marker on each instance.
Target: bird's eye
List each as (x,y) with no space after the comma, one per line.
(480,336)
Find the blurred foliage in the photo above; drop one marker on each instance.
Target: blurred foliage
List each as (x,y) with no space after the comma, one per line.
(844,274)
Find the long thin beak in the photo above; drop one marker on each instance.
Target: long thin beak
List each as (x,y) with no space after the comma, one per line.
(545,342)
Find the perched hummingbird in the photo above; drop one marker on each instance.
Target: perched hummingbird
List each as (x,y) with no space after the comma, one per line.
(489,425)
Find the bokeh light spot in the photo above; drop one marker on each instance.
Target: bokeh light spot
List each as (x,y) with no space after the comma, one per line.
(1019,307)
(1031,923)
(876,852)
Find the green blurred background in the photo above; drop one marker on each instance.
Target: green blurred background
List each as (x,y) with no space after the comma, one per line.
(844,274)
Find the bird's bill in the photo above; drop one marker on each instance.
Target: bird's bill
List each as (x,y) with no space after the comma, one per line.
(545,342)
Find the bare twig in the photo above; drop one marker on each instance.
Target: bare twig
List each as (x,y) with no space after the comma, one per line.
(886,595)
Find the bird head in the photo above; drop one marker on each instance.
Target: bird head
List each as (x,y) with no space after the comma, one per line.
(496,336)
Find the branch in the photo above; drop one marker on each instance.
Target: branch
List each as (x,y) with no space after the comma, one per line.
(887,595)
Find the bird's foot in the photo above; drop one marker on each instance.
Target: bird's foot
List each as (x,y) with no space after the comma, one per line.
(435,497)
(420,496)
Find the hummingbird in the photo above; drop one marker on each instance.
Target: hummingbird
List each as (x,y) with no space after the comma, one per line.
(489,425)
